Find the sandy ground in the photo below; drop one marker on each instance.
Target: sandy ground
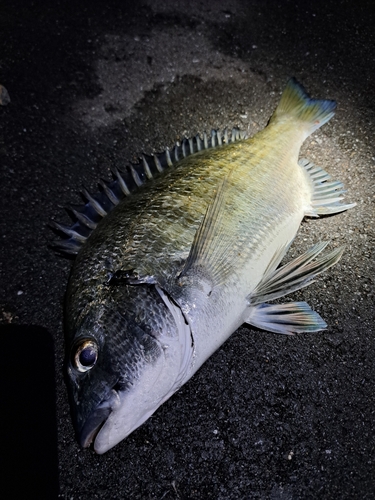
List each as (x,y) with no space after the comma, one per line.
(93,86)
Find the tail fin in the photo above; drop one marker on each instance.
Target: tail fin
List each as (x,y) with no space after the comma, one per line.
(296,104)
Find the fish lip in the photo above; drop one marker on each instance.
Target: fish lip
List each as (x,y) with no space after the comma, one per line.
(93,425)
(97,419)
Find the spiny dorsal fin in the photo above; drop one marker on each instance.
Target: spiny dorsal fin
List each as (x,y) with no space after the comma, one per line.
(127,181)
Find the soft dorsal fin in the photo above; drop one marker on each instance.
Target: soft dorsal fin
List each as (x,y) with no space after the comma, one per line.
(127,181)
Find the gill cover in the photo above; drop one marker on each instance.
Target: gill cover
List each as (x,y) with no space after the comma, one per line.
(124,363)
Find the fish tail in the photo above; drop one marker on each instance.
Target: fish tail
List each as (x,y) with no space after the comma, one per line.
(295,104)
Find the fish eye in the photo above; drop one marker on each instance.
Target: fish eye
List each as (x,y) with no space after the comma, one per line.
(85,355)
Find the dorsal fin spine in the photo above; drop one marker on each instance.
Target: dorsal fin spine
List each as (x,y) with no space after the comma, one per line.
(168,157)
(69,231)
(176,151)
(95,204)
(108,191)
(146,168)
(226,136)
(83,219)
(135,176)
(124,187)
(130,179)
(158,164)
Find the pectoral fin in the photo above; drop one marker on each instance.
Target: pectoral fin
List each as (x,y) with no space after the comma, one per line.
(212,250)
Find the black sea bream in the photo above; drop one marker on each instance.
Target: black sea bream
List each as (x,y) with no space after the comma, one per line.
(179,251)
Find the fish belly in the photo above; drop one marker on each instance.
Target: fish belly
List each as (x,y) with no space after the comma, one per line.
(216,319)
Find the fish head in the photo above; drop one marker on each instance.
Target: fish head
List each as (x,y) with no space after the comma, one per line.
(126,356)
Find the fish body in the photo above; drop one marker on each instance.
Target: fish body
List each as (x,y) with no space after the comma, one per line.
(178,265)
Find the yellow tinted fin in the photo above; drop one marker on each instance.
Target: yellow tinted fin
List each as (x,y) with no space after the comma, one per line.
(214,246)
(295,104)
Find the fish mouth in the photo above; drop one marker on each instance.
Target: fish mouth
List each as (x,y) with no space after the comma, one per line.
(97,419)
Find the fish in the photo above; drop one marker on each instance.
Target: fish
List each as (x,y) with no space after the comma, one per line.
(178,251)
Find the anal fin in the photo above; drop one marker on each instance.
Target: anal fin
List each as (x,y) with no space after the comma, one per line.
(327,195)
